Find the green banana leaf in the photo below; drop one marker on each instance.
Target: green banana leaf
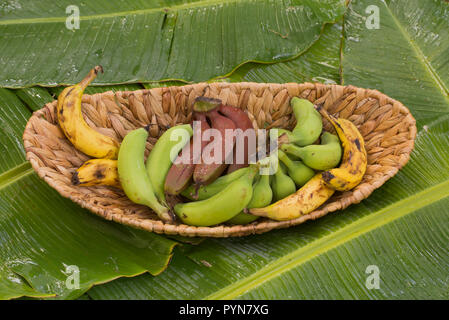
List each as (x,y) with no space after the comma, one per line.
(320,63)
(34,98)
(143,41)
(407,57)
(401,229)
(43,233)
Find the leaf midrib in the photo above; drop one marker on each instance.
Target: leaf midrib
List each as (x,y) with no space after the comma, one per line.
(420,55)
(312,250)
(15,174)
(200,3)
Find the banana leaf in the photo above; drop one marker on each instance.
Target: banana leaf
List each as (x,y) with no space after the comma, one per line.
(407,57)
(320,63)
(401,229)
(143,41)
(42,233)
(34,98)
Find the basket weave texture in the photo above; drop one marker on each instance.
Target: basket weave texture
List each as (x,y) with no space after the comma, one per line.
(387,126)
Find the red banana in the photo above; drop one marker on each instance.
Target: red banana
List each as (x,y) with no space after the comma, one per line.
(206,173)
(242,121)
(180,174)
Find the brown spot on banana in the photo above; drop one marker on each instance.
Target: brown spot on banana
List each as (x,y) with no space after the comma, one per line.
(99,173)
(327,176)
(75,179)
(69,91)
(312,195)
(357,143)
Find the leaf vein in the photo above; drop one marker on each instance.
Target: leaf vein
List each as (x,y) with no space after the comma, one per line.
(304,254)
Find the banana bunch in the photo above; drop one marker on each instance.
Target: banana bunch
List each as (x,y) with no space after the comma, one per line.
(311,164)
(70,118)
(102,171)
(221,207)
(323,156)
(265,189)
(211,114)
(323,185)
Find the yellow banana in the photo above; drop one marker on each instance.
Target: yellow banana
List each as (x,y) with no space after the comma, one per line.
(354,161)
(313,194)
(96,172)
(72,123)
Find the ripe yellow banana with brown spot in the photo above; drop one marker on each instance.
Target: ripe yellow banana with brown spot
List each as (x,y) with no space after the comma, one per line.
(313,194)
(72,123)
(354,161)
(95,172)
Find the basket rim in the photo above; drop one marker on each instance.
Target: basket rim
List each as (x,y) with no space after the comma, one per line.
(260,225)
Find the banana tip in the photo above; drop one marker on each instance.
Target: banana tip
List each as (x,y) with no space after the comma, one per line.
(75,179)
(98,68)
(148,126)
(257,212)
(205,104)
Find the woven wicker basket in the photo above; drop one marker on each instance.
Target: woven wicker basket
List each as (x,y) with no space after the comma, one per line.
(387,126)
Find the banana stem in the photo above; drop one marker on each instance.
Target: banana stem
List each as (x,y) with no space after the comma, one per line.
(326,114)
(254,170)
(293,150)
(205,104)
(90,77)
(284,158)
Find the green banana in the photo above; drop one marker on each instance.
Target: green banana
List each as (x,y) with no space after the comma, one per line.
(325,156)
(206,191)
(308,123)
(160,159)
(312,195)
(221,207)
(262,196)
(133,176)
(298,171)
(282,185)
